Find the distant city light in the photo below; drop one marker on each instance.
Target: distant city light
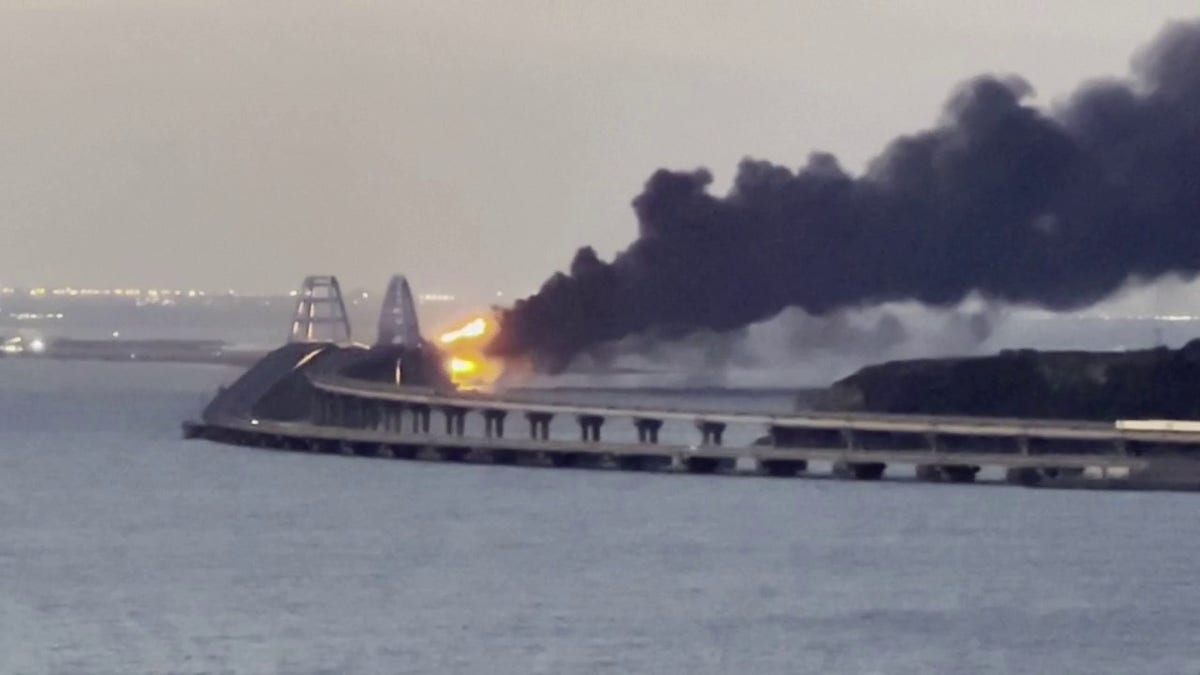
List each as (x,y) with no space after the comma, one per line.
(34,316)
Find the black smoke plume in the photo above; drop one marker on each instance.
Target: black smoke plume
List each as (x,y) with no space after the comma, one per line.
(1056,209)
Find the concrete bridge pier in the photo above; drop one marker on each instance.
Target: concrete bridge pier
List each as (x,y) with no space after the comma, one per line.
(539,425)
(589,427)
(859,470)
(449,454)
(379,416)
(710,432)
(420,419)
(947,473)
(316,408)
(570,460)
(455,420)
(561,460)
(709,464)
(1031,476)
(402,451)
(389,417)
(334,410)
(393,418)
(647,429)
(782,467)
(351,412)
(505,457)
(642,462)
(493,422)
(1023,475)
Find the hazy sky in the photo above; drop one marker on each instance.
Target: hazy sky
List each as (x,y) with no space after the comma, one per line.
(471,145)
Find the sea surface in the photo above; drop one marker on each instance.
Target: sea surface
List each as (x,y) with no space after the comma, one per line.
(125,550)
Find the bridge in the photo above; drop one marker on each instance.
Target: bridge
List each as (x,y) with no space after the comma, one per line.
(328,411)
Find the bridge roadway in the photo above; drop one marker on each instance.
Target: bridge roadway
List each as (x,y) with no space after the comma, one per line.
(874,422)
(375,442)
(351,416)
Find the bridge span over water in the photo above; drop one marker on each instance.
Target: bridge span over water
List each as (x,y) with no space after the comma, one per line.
(355,417)
(301,398)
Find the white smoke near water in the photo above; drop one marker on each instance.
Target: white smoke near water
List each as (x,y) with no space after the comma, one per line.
(793,348)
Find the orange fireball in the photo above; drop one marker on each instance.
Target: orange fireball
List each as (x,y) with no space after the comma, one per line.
(464,346)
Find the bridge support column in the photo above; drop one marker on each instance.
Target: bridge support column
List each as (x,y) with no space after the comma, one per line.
(1023,475)
(333,409)
(333,406)
(570,460)
(709,464)
(365,409)
(642,462)
(316,414)
(782,467)
(445,454)
(455,420)
(420,419)
(647,429)
(539,425)
(859,470)
(947,473)
(589,427)
(504,457)
(403,451)
(848,438)
(377,415)
(395,413)
(493,422)
(710,432)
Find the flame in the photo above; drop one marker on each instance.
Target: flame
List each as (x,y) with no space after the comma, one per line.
(477,327)
(460,366)
(465,362)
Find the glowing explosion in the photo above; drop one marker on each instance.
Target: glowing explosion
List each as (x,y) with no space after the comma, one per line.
(464,348)
(477,327)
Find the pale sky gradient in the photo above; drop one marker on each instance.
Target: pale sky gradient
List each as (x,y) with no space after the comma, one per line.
(471,145)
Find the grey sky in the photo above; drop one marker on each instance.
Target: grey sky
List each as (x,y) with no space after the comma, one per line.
(471,145)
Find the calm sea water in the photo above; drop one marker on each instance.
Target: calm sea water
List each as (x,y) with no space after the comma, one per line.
(124,550)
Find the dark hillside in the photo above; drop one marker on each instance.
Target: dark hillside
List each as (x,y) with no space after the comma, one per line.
(1154,383)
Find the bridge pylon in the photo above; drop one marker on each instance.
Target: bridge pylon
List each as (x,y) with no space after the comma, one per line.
(398,323)
(320,314)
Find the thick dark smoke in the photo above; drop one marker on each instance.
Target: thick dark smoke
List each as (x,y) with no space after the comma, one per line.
(1000,199)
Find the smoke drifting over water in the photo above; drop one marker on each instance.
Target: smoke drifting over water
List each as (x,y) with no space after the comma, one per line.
(999,199)
(793,347)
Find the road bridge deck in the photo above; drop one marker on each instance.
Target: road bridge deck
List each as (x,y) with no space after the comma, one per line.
(918,424)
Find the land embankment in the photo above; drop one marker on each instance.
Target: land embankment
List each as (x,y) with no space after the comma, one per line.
(1151,383)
